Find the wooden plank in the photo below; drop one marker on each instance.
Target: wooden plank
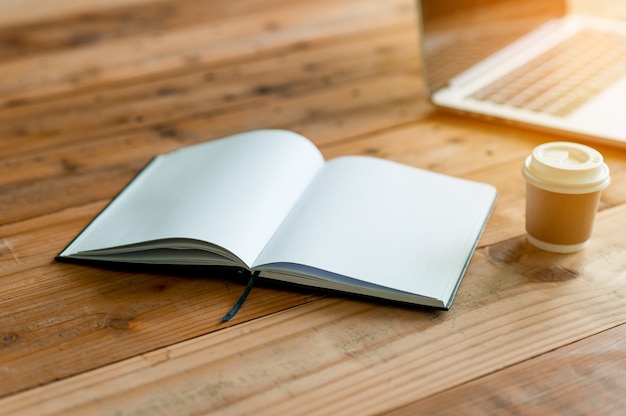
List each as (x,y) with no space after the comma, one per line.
(590,370)
(20,12)
(254,86)
(346,357)
(244,34)
(74,24)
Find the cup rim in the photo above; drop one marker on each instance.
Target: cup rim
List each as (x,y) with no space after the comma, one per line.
(566,167)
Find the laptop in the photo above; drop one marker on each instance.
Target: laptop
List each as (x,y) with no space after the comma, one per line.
(527,62)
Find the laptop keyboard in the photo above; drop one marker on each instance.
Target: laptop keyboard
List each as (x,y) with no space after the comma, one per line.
(564,77)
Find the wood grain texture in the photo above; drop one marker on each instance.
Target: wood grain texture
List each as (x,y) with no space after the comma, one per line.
(90,92)
(336,356)
(590,370)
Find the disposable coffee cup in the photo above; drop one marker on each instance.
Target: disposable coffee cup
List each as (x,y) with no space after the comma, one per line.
(563,186)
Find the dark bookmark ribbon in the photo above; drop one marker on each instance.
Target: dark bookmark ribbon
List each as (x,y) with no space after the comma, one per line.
(242,298)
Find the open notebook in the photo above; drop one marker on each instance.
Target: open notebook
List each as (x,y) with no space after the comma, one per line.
(266,201)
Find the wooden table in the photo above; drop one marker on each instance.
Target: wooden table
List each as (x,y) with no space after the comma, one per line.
(90,91)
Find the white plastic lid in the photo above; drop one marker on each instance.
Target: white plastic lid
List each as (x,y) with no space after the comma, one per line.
(569,168)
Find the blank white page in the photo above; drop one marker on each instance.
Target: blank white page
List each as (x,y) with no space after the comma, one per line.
(385,223)
(232,192)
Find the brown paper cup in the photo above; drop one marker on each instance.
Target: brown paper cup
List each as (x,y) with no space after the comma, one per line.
(564,183)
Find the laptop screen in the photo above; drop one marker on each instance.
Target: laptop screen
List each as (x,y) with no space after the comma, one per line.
(457,34)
